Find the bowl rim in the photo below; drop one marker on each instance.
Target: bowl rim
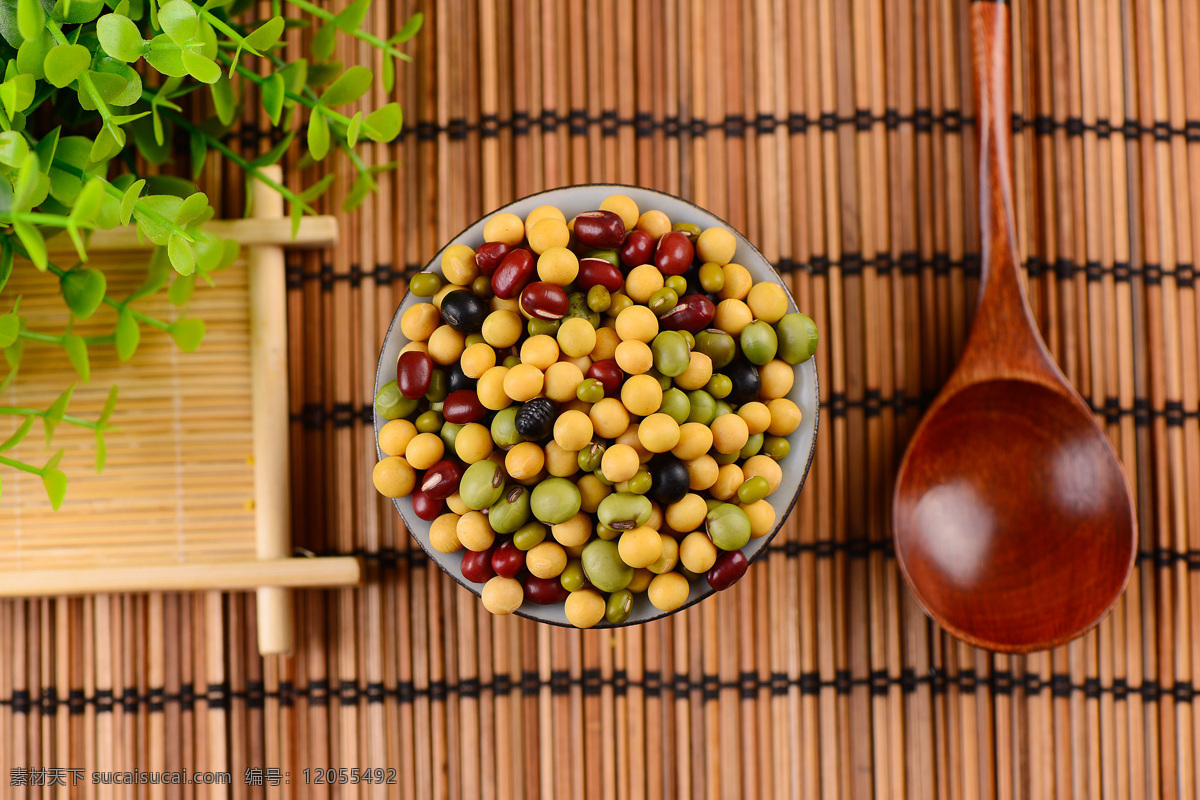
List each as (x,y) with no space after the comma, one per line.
(766,540)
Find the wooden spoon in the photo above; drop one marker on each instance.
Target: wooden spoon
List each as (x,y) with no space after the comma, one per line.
(1013,519)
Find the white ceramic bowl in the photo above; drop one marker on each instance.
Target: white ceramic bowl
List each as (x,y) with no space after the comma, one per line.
(573,200)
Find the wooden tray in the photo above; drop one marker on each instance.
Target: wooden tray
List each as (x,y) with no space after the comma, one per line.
(195,493)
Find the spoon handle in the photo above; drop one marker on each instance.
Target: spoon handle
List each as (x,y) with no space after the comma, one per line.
(1004,341)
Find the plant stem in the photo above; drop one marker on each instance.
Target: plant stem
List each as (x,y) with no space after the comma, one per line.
(33,412)
(40,218)
(120,306)
(21,465)
(330,114)
(50,338)
(113,191)
(246,166)
(85,80)
(224,27)
(362,35)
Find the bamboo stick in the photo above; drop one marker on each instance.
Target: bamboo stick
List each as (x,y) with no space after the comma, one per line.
(224,576)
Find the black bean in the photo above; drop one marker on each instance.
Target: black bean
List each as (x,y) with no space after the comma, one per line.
(464,311)
(535,420)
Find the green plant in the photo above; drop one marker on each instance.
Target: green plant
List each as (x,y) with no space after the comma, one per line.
(88,85)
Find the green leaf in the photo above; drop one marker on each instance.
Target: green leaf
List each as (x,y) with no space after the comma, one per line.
(65,62)
(31,18)
(208,41)
(166,56)
(193,208)
(181,289)
(114,90)
(389,72)
(178,20)
(188,334)
(161,205)
(77,353)
(351,18)
(157,272)
(25,187)
(272,97)
(17,93)
(224,101)
(18,435)
(353,129)
(410,29)
(273,155)
(35,245)
(351,85)
(109,142)
(323,41)
(109,405)
(384,123)
(198,148)
(120,38)
(55,413)
(56,486)
(295,75)
(321,74)
(230,248)
(129,198)
(13,149)
(31,57)
(183,259)
(6,263)
(317,189)
(74,12)
(127,334)
(318,135)
(87,205)
(266,35)
(101,451)
(10,326)
(202,69)
(170,185)
(83,291)
(363,186)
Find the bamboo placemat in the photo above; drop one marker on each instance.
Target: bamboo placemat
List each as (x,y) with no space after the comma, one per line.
(838,135)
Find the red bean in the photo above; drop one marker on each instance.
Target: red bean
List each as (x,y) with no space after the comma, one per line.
(427,508)
(542,300)
(637,249)
(600,229)
(512,274)
(477,566)
(544,591)
(414,371)
(609,374)
(674,253)
(508,561)
(599,272)
(730,567)
(441,480)
(462,407)
(489,255)
(693,313)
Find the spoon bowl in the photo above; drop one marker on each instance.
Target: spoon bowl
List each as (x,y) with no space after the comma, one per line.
(1012,518)
(1020,547)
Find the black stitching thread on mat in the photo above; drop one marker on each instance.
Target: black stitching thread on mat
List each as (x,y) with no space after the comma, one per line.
(923,120)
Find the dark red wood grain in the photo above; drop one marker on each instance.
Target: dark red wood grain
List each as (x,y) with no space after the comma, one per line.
(1013,519)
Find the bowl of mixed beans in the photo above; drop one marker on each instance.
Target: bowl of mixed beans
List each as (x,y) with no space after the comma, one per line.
(596,406)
